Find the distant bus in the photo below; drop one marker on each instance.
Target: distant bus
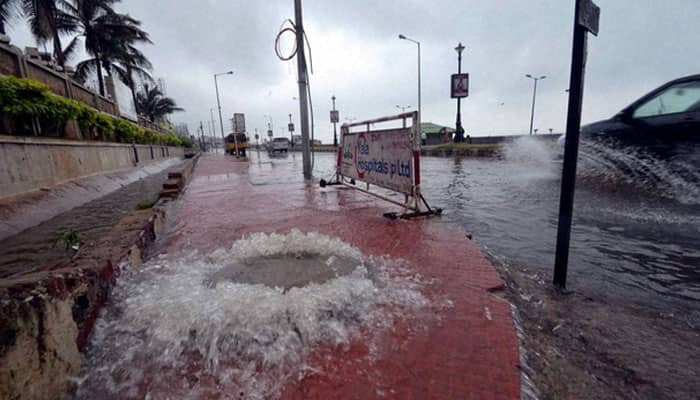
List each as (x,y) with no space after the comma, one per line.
(230,144)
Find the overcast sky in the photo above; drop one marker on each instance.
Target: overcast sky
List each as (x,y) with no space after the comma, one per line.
(358,57)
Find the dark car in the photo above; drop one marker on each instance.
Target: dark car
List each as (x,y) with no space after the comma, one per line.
(665,122)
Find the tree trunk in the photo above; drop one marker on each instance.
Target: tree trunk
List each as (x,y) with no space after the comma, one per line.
(100,79)
(57,49)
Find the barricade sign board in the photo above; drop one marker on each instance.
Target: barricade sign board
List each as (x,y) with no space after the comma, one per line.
(388,158)
(383,158)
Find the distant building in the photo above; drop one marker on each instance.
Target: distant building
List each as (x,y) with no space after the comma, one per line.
(435,134)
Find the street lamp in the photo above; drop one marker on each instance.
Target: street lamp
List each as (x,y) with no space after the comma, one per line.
(218,102)
(403,108)
(419,102)
(459,131)
(534,93)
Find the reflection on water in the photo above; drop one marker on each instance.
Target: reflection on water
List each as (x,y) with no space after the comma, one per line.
(639,244)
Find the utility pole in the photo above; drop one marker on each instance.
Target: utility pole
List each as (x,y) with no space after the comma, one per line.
(335,121)
(218,102)
(303,100)
(213,123)
(586,18)
(201,134)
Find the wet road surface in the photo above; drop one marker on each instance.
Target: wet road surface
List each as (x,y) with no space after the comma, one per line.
(416,318)
(632,244)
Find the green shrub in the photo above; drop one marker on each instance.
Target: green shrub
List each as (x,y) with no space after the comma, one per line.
(27,98)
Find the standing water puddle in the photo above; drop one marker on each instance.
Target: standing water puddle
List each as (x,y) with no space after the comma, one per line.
(241,322)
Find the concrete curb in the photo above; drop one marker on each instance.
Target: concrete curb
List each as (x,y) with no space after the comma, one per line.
(46,318)
(177,181)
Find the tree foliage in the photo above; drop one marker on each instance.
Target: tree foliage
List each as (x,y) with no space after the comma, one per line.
(152,103)
(27,98)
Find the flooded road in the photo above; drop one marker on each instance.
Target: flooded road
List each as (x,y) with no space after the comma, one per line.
(267,287)
(629,243)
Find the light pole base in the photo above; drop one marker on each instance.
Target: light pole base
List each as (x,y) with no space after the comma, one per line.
(459,134)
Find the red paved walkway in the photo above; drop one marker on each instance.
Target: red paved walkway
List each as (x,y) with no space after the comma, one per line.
(470,353)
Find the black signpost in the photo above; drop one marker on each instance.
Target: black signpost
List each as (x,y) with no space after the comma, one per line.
(460,88)
(334,120)
(586,17)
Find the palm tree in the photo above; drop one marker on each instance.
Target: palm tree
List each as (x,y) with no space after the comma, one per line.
(8,11)
(109,38)
(153,104)
(48,20)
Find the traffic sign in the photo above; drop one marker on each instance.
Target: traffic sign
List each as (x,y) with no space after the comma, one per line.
(589,16)
(238,123)
(460,85)
(335,116)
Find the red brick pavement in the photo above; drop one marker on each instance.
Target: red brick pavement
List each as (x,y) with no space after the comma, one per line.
(471,352)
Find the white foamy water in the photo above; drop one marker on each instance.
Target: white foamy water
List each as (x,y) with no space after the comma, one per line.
(169,335)
(674,177)
(530,158)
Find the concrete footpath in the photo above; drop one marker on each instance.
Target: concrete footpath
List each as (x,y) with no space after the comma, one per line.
(470,351)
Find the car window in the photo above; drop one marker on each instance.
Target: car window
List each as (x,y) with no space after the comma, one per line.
(678,98)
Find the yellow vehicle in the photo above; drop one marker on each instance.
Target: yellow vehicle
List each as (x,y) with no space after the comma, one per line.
(230,144)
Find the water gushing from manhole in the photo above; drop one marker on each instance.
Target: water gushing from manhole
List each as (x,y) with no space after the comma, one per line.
(242,321)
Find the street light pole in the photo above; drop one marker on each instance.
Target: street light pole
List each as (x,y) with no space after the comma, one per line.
(335,132)
(213,123)
(459,131)
(420,114)
(218,103)
(403,109)
(534,94)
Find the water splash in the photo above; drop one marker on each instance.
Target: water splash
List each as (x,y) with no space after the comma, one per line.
(531,157)
(609,163)
(169,335)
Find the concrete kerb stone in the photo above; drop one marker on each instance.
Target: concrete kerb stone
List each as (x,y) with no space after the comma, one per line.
(46,318)
(177,181)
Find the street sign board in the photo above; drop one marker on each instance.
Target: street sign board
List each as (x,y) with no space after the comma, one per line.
(460,85)
(335,117)
(290,126)
(589,16)
(269,132)
(385,158)
(238,123)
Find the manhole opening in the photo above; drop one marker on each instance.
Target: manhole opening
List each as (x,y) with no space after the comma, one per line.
(286,270)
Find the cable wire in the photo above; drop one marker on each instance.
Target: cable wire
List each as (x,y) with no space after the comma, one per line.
(293,29)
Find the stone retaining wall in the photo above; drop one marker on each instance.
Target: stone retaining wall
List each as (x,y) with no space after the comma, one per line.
(31,163)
